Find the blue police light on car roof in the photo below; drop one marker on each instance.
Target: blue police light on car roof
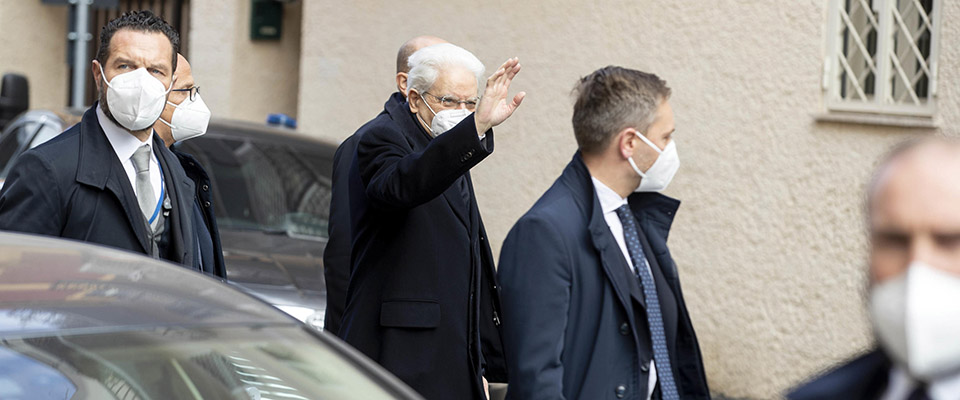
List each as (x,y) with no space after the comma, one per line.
(282,120)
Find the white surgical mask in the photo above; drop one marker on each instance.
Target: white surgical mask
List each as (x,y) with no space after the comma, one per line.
(190,119)
(659,175)
(135,99)
(917,318)
(445,120)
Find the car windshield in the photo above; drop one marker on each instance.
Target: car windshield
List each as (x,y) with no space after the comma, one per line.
(242,363)
(273,187)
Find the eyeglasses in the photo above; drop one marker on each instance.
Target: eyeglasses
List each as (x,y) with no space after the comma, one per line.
(450,102)
(194,91)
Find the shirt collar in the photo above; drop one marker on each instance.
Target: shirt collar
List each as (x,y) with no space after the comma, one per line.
(122,141)
(610,201)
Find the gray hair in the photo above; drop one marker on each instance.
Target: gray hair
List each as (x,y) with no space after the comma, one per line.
(426,63)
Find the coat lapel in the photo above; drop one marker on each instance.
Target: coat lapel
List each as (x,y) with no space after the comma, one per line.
(577,178)
(99,167)
(182,193)
(419,140)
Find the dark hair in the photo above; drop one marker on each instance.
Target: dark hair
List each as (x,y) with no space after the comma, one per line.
(142,21)
(611,99)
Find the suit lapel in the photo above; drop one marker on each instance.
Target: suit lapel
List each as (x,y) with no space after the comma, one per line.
(99,167)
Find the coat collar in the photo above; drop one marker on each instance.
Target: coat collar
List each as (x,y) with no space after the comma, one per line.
(105,172)
(418,139)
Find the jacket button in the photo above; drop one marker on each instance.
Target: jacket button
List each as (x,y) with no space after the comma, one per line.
(206,204)
(624,329)
(621,391)
(645,367)
(205,187)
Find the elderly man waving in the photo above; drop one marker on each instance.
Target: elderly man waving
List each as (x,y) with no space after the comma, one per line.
(422,299)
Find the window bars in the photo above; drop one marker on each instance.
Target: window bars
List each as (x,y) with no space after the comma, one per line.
(882,56)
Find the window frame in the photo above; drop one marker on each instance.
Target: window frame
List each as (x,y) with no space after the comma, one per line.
(887,28)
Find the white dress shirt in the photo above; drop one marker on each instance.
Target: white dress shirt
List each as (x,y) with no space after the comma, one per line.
(124,145)
(610,201)
(901,384)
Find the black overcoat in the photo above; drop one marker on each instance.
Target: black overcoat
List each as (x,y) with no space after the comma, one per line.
(422,299)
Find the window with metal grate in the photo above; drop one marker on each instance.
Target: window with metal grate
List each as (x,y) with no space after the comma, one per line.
(882,56)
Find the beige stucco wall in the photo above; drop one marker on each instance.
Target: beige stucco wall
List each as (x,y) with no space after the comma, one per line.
(769,240)
(37,54)
(240,78)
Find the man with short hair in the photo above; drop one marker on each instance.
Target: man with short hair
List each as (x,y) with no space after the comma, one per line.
(336,255)
(591,296)
(914,274)
(109,180)
(423,299)
(184,117)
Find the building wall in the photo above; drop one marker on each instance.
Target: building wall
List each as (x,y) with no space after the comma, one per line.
(39,55)
(240,78)
(769,241)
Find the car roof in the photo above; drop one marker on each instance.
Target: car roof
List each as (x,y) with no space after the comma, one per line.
(50,285)
(243,129)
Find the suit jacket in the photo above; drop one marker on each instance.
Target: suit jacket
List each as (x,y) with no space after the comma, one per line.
(574,320)
(422,299)
(863,378)
(204,218)
(336,256)
(74,187)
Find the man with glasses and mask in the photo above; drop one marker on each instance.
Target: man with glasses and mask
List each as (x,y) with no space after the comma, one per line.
(592,299)
(422,299)
(336,254)
(914,282)
(109,180)
(184,117)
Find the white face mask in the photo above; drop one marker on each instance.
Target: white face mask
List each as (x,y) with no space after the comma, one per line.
(190,119)
(660,174)
(917,319)
(135,99)
(445,120)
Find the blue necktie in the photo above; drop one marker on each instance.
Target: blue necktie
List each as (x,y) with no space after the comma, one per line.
(661,358)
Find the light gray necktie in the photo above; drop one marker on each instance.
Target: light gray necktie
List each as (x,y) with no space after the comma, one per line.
(145,195)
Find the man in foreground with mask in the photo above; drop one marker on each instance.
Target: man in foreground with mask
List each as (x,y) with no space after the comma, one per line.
(591,296)
(336,254)
(914,297)
(184,117)
(422,299)
(109,180)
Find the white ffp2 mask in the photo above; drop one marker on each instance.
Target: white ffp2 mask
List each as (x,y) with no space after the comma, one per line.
(917,318)
(190,119)
(659,175)
(135,99)
(445,120)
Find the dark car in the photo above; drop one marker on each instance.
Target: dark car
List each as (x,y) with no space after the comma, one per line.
(79,321)
(271,195)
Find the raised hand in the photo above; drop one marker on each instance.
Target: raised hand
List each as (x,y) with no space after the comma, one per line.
(494,108)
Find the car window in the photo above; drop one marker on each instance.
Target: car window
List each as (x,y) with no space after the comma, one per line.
(242,363)
(260,185)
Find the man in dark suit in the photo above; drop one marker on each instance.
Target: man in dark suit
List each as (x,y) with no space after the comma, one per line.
(336,255)
(592,302)
(422,299)
(185,117)
(914,298)
(109,180)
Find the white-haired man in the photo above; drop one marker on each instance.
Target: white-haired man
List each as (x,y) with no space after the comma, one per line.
(422,299)
(336,254)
